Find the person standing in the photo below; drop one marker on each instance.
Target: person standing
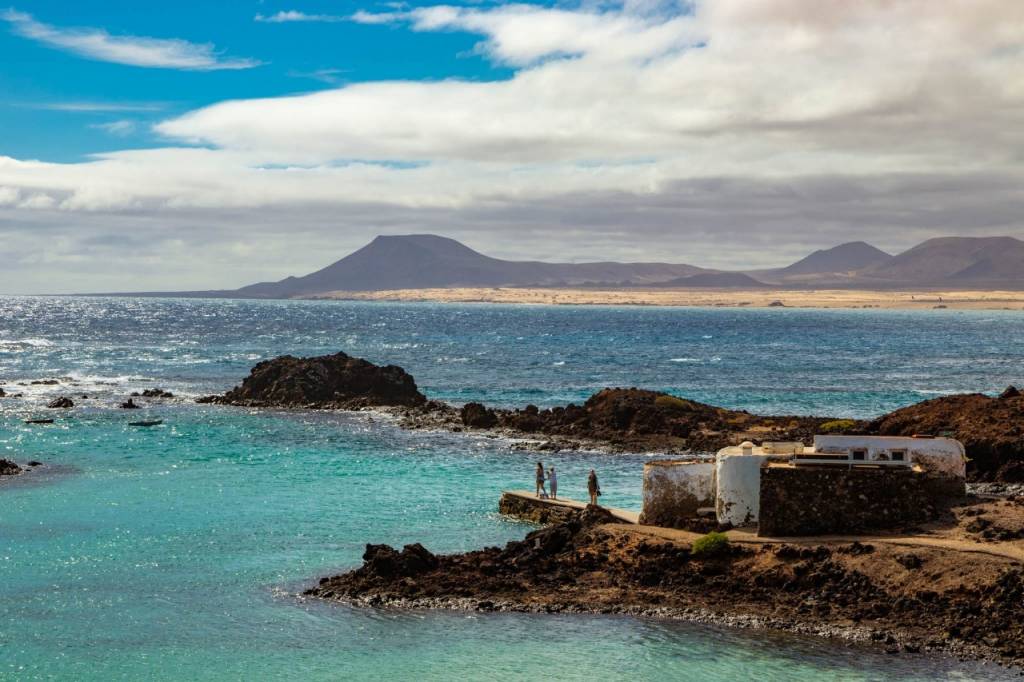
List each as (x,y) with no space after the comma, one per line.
(592,487)
(540,480)
(553,480)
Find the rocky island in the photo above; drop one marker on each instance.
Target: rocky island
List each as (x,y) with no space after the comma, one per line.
(337,381)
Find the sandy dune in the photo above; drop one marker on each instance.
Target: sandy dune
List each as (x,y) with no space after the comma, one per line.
(757,298)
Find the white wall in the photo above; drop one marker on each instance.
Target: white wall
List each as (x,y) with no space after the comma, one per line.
(938,455)
(678,487)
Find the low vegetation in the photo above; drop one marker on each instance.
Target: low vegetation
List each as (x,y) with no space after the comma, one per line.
(712,544)
(670,402)
(837,426)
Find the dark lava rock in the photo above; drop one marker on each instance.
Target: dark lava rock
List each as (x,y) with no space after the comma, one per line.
(1009,392)
(153,393)
(61,402)
(8,468)
(2,393)
(328,381)
(639,418)
(34,463)
(44,382)
(386,562)
(478,416)
(129,405)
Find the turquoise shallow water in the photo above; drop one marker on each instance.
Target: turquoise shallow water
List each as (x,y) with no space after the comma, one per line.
(176,552)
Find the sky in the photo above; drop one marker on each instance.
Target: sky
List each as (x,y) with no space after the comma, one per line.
(195,145)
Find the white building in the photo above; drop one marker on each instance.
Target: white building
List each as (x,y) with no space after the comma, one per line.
(735,477)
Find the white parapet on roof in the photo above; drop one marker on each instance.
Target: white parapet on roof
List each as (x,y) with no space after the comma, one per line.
(938,455)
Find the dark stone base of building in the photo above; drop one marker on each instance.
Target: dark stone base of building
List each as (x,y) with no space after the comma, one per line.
(535,511)
(807,500)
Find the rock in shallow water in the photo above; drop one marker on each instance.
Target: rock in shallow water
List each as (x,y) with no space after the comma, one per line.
(8,468)
(326,381)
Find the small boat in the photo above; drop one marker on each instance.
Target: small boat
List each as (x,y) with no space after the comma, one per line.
(152,422)
(38,421)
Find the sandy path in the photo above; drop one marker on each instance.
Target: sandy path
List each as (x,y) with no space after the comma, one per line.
(1006,550)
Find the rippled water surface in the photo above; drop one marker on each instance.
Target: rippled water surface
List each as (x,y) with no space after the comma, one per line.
(175,552)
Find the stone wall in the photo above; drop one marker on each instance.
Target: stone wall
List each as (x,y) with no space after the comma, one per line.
(674,490)
(811,500)
(533,510)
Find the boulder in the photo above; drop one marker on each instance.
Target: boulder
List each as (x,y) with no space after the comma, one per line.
(129,405)
(386,562)
(62,402)
(153,393)
(336,381)
(478,416)
(8,468)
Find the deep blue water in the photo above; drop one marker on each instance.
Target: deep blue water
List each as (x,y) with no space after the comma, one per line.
(176,552)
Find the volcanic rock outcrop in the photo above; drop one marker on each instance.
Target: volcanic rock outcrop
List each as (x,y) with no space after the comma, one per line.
(153,393)
(967,603)
(61,403)
(646,420)
(9,468)
(337,381)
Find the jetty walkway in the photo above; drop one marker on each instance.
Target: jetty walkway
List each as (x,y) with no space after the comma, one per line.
(528,498)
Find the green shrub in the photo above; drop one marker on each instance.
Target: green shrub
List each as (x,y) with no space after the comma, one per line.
(837,425)
(712,544)
(670,402)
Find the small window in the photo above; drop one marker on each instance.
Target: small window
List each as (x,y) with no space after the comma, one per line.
(859,455)
(898,455)
(881,457)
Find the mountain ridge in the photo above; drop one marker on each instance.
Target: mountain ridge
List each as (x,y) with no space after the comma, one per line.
(425,261)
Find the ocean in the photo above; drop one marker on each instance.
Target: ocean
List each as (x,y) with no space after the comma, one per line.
(177,552)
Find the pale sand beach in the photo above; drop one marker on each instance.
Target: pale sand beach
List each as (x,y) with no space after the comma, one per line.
(756,298)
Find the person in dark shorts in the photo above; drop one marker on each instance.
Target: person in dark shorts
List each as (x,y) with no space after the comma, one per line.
(592,487)
(541,492)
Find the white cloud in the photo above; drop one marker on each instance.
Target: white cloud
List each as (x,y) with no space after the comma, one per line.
(9,196)
(812,85)
(291,16)
(731,122)
(122,128)
(330,76)
(97,106)
(39,200)
(95,43)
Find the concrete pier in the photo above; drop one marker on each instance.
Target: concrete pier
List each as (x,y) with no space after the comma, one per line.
(525,505)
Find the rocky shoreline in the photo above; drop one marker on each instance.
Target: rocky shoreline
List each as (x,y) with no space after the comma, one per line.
(897,598)
(629,419)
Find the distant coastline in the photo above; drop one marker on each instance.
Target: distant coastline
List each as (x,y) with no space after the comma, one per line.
(692,297)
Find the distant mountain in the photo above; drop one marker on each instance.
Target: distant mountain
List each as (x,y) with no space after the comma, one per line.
(843,258)
(955,261)
(423,261)
(716,280)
